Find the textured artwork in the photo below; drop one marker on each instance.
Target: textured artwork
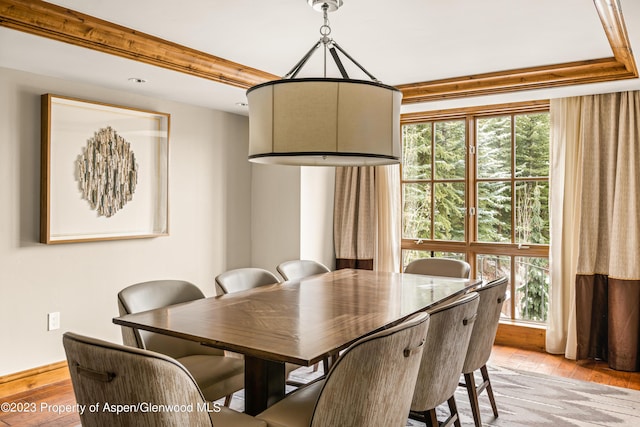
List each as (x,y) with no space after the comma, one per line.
(107,172)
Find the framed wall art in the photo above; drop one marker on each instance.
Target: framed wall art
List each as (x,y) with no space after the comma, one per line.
(104,172)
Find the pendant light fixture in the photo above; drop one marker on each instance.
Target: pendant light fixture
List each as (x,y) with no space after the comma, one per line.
(324,121)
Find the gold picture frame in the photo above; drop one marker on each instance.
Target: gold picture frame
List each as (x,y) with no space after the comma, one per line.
(104,172)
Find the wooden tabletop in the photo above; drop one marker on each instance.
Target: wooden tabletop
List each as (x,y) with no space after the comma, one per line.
(301,322)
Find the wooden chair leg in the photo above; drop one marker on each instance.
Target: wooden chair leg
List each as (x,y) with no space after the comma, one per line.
(492,400)
(470,384)
(453,409)
(430,418)
(227,400)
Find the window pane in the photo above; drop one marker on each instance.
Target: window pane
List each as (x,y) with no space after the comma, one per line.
(416,151)
(532,145)
(410,255)
(448,221)
(450,149)
(494,147)
(491,267)
(532,212)
(494,212)
(532,288)
(416,211)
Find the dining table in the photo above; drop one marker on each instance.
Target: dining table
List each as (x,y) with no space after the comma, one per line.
(300,322)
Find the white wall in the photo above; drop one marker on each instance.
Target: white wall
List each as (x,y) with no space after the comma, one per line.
(275,217)
(292,215)
(316,216)
(210,222)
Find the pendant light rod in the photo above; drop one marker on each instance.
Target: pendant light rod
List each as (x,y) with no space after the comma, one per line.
(336,59)
(296,68)
(354,61)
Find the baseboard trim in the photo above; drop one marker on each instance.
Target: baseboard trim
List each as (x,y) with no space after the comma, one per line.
(524,336)
(33,378)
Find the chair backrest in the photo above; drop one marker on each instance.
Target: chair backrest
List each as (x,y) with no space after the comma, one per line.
(492,296)
(242,279)
(103,373)
(300,268)
(372,382)
(444,352)
(439,267)
(156,294)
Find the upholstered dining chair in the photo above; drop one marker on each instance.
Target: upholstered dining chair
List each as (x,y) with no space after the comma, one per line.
(370,385)
(444,353)
(217,375)
(300,268)
(104,375)
(439,267)
(492,296)
(241,279)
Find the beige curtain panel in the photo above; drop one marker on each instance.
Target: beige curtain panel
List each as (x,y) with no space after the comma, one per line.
(607,280)
(367,217)
(354,217)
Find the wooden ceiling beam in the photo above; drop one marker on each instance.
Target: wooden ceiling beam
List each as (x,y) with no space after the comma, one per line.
(58,23)
(621,66)
(65,25)
(572,73)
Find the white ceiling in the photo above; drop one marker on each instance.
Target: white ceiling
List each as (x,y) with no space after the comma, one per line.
(403,41)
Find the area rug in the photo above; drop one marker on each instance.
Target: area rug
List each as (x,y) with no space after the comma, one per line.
(530,399)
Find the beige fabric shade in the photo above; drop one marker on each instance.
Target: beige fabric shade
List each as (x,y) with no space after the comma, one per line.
(324,122)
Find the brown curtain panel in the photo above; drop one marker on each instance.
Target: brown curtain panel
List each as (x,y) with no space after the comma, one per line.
(354,219)
(608,271)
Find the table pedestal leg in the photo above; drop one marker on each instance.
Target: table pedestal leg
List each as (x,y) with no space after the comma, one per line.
(264,384)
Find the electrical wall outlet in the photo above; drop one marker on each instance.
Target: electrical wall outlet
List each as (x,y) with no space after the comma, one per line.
(53,321)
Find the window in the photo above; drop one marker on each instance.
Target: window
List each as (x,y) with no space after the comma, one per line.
(475,186)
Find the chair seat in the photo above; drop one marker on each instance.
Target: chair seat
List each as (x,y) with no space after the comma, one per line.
(230,418)
(215,375)
(296,409)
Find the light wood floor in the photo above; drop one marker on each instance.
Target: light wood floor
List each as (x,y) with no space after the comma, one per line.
(62,393)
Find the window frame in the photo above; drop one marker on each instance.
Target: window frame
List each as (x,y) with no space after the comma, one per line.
(471,247)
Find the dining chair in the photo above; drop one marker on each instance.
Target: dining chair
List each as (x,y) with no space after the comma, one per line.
(300,268)
(439,267)
(370,385)
(444,353)
(216,374)
(492,296)
(117,386)
(241,279)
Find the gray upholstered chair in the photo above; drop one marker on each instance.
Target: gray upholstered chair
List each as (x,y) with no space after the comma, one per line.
(439,267)
(444,353)
(300,268)
(370,385)
(217,375)
(492,295)
(103,373)
(241,279)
